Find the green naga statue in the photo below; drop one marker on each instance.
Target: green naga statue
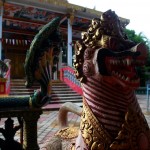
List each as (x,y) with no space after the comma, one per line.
(39,63)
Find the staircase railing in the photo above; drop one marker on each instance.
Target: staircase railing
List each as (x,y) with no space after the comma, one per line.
(67,75)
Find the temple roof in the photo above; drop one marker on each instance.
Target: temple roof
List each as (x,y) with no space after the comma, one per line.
(26,17)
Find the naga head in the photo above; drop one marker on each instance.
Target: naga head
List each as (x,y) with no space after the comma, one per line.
(105,51)
(41,61)
(42,54)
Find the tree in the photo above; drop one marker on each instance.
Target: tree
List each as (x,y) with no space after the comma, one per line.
(137,38)
(144,72)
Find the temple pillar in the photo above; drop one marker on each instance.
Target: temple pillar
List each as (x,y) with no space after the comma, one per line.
(55,75)
(1,20)
(69,48)
(60,59)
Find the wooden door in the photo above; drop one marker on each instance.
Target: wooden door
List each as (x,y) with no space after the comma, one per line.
(17,65)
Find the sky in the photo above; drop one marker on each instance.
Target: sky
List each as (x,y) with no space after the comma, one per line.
(137,11)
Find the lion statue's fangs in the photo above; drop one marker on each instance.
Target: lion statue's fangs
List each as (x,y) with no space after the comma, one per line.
(105,63)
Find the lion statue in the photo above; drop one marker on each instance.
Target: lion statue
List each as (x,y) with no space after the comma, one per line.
(105,64)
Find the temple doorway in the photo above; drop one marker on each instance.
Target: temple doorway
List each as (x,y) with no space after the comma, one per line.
(17,65)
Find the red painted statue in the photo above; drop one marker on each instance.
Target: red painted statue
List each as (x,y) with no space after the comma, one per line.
(106,64)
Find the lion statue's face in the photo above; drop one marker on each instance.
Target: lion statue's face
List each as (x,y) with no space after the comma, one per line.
(105,52)
(115,67)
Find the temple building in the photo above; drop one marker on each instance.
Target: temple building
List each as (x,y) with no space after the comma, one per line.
(20,21)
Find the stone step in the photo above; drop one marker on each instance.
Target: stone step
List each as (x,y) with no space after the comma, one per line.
(54,97)
(66,98)
(55,91)
(23,85)
(21,93)
(21,89)
(35,82)
(61,93)
(63,89)
(35,85)
(64,101)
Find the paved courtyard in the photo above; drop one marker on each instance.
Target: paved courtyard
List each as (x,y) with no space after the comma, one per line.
(48,123)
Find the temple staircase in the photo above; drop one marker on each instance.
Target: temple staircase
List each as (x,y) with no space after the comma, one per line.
(61,93)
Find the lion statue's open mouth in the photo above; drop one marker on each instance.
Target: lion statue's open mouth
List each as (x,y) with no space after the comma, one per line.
(122,65)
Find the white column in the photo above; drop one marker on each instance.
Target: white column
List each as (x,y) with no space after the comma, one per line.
(69,50)
(1,19)
(55,75)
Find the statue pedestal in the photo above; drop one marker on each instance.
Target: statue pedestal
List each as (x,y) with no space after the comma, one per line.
(30,118)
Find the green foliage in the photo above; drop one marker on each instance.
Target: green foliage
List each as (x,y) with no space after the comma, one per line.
(137,38)
(144,72)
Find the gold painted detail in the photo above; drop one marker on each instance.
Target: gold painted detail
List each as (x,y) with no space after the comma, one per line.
(68,133)
(93,133)
(128,138)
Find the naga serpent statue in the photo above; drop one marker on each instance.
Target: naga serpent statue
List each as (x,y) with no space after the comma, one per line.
(39,63)
(40,60)
(105,64)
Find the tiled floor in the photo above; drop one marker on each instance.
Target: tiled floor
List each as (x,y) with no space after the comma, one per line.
(48,123)
(143,103)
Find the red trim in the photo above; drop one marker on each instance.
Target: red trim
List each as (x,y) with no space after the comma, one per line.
(3,86)
(7,82)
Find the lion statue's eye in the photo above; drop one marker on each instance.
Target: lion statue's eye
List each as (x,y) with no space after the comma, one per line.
(88,68)
(88,54)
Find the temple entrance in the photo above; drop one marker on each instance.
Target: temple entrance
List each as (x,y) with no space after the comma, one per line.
(17,65)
